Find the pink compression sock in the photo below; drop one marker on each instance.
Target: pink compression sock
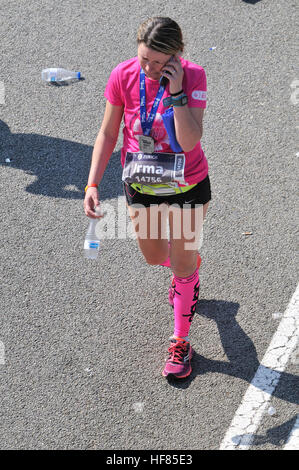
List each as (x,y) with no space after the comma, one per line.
(186,293)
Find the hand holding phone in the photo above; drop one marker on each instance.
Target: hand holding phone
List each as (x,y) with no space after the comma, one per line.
(174,73)
(165,79)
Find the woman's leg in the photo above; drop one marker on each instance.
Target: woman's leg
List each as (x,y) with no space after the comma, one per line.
(185,231)
(185,228)
(150,224)
(167,263)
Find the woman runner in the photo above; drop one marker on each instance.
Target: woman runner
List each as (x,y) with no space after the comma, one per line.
(136,90)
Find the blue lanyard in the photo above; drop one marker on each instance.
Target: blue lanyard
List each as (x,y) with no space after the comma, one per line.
(147,124)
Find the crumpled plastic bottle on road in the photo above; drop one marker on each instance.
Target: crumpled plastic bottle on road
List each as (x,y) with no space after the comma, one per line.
(54,75)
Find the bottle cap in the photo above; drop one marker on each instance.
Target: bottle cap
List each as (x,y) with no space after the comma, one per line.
(78,74)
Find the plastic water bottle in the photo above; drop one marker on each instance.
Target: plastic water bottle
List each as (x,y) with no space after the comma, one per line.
(92,241)
(59,75)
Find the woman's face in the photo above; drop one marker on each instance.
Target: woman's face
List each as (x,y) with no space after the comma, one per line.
(151,61)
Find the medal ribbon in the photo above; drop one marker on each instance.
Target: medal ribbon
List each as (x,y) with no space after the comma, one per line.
(147,124)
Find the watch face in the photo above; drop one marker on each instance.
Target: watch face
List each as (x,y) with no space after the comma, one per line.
(184,100)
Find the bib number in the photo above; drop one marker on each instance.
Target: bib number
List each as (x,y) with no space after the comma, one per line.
(154,168)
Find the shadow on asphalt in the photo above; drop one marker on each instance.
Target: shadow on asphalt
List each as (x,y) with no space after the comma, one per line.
(239,349)
(65,82)
(277,436)
(251,2)
(61,167)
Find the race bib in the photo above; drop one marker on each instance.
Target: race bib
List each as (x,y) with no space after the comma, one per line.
(154,168)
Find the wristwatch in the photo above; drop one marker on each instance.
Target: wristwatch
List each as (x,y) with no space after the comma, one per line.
(180,101)
(172,101)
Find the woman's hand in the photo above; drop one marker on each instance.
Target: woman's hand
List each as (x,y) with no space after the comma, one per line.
(91,203)
(173,70)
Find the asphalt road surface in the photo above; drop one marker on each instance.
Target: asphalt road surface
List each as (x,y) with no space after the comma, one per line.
(83,343)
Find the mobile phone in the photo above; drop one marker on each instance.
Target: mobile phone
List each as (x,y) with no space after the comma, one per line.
(164,80)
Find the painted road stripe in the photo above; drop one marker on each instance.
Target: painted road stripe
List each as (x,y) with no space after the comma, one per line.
(242,430)
(293,440)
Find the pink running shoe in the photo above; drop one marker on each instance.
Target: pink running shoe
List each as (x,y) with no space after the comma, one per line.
(171,290)
(179,358)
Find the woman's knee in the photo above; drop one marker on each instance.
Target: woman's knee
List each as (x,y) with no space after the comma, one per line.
(155,259)
(154,253)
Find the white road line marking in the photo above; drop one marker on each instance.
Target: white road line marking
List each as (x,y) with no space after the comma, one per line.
(240,434)
(293,440)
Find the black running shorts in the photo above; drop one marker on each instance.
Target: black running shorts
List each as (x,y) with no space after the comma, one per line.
(200,194)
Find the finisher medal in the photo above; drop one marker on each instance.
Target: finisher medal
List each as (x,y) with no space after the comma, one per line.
(146,144)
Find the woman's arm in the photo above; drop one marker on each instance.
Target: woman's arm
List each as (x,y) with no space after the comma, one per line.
(102,151)
(105,142)
(188,126)
(187,121)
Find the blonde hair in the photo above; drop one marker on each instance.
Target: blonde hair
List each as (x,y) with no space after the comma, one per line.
(162,34)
